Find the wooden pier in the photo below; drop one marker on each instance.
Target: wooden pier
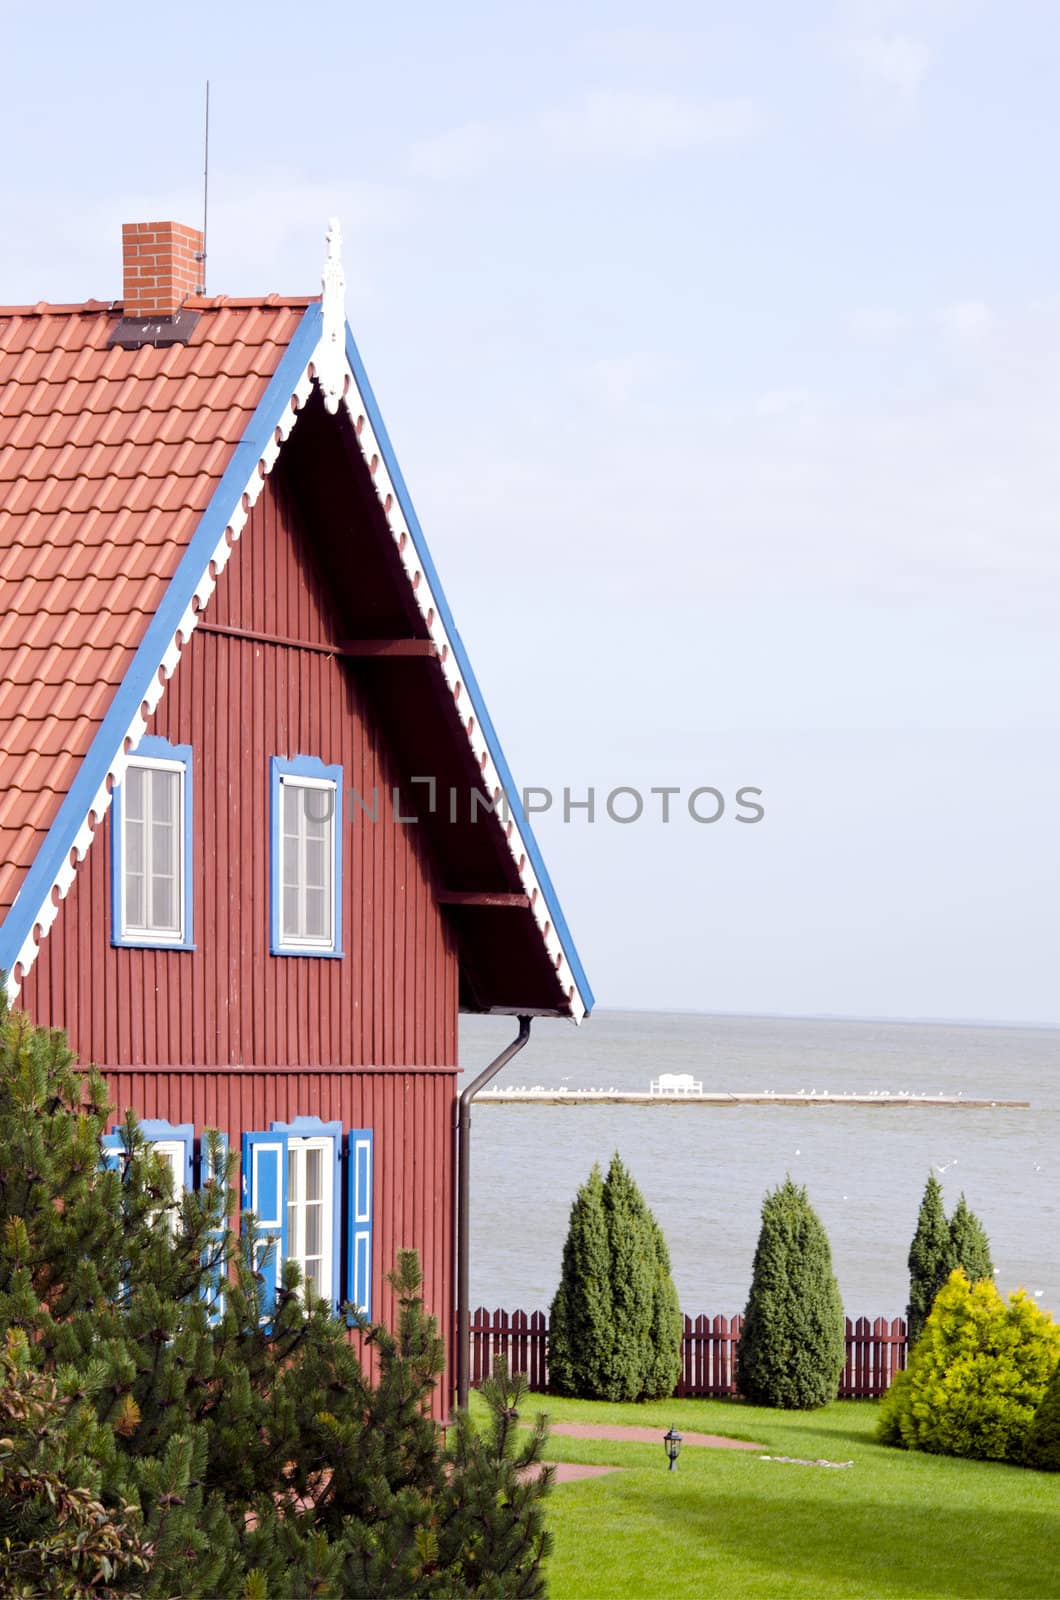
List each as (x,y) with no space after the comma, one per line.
(622,1097)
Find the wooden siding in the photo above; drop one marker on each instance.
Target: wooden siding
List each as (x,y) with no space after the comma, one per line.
(227,1035)
(392,1000)
(412,1117)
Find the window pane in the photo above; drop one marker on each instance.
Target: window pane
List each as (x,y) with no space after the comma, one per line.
(293,1175)
(314,1174)
(163,840)
(163,906)
(134,845)
(134,792)
(315,862)
(316,914)
(291,930)
(314,1232)
(165,787)
(313,1272)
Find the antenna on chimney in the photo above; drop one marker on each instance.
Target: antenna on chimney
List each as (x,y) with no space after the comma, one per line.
(205,190)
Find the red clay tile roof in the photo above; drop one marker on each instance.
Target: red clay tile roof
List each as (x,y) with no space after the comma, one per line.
(108,459)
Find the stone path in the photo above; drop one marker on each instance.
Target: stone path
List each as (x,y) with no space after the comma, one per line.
(638,1435)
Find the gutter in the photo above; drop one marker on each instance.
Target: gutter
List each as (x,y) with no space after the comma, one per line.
(463,1209)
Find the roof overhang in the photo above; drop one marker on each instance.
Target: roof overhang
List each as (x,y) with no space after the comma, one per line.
(321,354)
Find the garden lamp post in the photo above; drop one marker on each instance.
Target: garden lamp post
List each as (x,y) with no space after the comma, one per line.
(672,1441)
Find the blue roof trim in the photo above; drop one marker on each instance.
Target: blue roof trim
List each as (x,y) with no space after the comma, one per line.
(59,840)
(559,922)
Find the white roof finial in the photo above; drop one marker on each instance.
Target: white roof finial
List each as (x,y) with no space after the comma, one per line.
(330,361)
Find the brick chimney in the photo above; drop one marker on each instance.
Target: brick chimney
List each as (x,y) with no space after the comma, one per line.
(162,265)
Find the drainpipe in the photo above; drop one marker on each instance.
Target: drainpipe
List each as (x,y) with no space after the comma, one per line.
(463,1209)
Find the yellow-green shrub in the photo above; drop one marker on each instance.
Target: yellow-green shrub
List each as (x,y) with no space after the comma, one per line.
(976,1375)
(1043,1440)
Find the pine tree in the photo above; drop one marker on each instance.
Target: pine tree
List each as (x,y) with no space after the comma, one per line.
(930,1258)
(793,1342)
(615,1326)
(252,1456)
(969,1245)
(56,1538)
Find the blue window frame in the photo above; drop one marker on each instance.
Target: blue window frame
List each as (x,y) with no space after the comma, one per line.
(305,857)
(151,849)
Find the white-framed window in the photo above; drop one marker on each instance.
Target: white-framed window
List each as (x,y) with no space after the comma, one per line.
(311,1210)
(173,1153)
(306,857)
(151,837)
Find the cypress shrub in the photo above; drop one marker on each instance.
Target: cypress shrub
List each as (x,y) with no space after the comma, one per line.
(580,1323)
(969,1245)
(1043,1439)
(793,1344)
(976,1376)
(930,1258)
(667,1325)
(615,1326)
(631,1245)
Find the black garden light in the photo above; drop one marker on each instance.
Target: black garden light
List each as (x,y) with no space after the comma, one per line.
(672,1441)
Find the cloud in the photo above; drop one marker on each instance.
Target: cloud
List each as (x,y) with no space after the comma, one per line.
(876,324)
(600,125)
(641,126)
(459,153)
(896,63)
(792,404)
(966,320)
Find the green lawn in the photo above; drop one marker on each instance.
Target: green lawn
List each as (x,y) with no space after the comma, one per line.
(726,1523)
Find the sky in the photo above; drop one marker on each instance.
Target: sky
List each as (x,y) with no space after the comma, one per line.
(721,354)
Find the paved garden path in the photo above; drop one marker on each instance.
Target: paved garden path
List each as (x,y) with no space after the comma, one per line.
(638,1435)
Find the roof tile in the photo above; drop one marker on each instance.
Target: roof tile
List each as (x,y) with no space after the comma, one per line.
(108,458)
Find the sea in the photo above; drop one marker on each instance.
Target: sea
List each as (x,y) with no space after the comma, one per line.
(704,1170)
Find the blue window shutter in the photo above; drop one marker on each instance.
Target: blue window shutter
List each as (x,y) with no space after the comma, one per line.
(113,1151)
(155,1129)
(310,1128)
(213,1288)
(264,1190)
(359,1231)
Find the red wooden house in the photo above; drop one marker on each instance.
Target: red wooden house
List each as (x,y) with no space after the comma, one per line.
(259,844)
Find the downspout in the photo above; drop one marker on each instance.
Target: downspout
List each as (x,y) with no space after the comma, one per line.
(463,1209)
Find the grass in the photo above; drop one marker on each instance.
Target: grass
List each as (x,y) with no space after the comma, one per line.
(898,1525)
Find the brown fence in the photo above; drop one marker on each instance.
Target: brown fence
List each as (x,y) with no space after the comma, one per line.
(875,1352)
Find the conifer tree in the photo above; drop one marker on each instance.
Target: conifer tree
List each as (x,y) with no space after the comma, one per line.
(930,1258)
(252,1457)
(793,1342)
(667,1325)
(615,1326)
(969,1245)
(581,1324)
(1042,1449)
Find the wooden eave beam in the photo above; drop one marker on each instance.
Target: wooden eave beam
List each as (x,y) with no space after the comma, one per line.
(387,647)
(477,897)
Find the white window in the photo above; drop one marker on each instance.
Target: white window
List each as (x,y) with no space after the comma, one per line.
(174,1154)
(152,853)
(307,863)
(310,1210)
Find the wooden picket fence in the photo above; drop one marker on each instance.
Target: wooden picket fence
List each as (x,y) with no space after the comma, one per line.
(875,1352)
